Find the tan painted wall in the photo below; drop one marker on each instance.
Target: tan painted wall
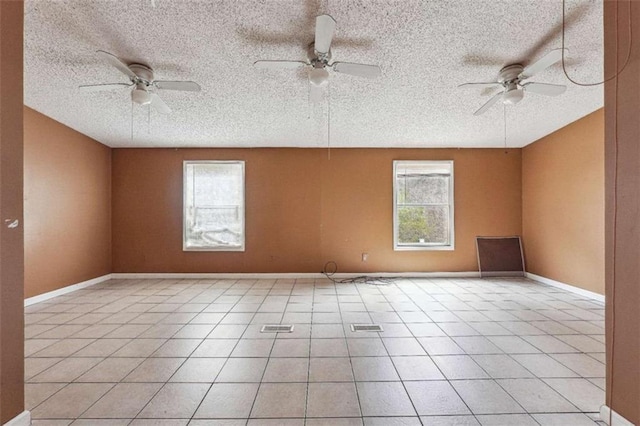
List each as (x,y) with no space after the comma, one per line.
(563,204)
(304,210)
(67,206)
(11,239)
(622,171)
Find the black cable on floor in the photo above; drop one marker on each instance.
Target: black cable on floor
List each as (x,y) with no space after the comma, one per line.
(331,267)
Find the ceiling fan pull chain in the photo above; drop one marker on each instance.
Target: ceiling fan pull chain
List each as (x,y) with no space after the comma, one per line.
(504,107)
(329,120)
(132,120)
(308,102)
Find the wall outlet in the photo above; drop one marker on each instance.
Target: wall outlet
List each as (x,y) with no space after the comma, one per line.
(365,257)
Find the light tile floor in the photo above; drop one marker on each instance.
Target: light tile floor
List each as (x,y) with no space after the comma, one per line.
(178,352)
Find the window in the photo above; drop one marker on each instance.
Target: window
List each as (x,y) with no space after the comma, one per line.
(213,205)
(423,205)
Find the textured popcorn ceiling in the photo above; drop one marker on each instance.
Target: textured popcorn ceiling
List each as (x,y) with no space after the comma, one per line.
(425,49)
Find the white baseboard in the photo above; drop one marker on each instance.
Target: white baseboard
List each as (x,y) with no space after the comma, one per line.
(273,276)
(64,290)
(294,275)
(22,419)
(239,276)
(209,275)
(607,414)
(568,287)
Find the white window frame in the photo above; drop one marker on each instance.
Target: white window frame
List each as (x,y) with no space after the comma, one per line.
(240,248)
(423,246)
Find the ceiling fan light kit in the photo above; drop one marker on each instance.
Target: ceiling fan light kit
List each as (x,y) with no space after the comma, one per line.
(140,96)
(318,76)
(512,97)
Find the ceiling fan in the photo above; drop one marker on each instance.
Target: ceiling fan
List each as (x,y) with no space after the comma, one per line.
(319,58)
(513,78)
(142,82)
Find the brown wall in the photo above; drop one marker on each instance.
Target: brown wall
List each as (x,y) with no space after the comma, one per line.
(622,171)
(303,209)
(563,204)
(11,239)
(67,205)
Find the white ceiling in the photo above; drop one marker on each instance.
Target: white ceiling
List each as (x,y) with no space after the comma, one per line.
(425,49)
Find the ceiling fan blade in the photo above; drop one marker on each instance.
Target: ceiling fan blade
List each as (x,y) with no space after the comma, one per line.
(543,63)
(185,86)
(116,62)
(359,70)
(277,65)
(102,87)
(159,104)
(489,103)
(545,88)
(487,84)
(325,26)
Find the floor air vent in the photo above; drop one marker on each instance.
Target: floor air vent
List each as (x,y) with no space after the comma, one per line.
(276,328)
(366,327)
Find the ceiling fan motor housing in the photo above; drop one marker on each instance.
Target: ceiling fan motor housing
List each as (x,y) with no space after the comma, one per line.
(509,78)
(144,77)
(318,59)
(143,73)
(318,75)
(510,73)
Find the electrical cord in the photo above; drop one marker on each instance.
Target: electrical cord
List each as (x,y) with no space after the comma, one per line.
(610,381)
(615,218)
(618,72)
(362,279)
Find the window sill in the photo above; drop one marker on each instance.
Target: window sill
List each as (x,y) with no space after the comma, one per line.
(424,248)
(215,249)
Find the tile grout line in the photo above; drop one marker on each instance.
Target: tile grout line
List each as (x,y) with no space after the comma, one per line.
(212,285)
(489,376)
(458,289)
(429,355)
(306,402)
(115,384)
(415,410)
(353,373)
(67,383)
(442,372)
(270,350)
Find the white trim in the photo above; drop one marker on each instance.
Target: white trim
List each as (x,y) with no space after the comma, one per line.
(241,276)
(64,290)
(450,246)
(616,419)
(185,195)
(568,287)
(294,275)
(22,419)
